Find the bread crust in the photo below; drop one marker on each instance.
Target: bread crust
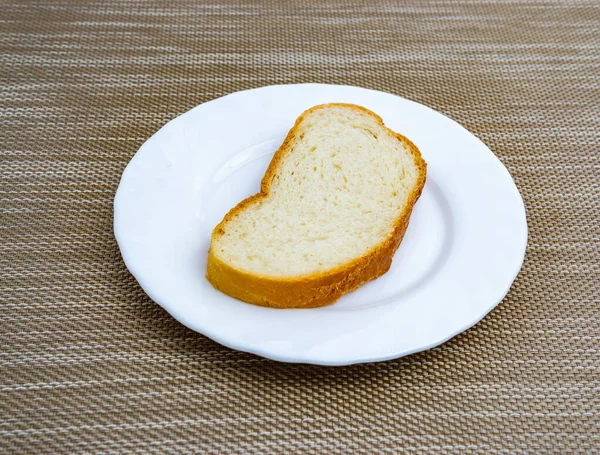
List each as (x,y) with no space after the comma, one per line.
(316,289)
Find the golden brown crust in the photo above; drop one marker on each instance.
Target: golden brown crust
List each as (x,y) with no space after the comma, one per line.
(320,288)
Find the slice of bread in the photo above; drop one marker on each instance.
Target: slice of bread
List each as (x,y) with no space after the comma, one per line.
(333,207)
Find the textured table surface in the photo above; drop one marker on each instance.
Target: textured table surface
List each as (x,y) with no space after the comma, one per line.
(89,364)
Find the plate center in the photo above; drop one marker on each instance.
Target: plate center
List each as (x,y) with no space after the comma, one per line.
(423,252)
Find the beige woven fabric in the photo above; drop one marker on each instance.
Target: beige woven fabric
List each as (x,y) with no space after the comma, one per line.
(90,365)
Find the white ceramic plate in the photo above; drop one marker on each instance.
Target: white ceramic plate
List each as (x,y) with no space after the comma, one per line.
(463,248)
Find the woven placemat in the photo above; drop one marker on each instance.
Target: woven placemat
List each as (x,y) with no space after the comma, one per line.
(89,364)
